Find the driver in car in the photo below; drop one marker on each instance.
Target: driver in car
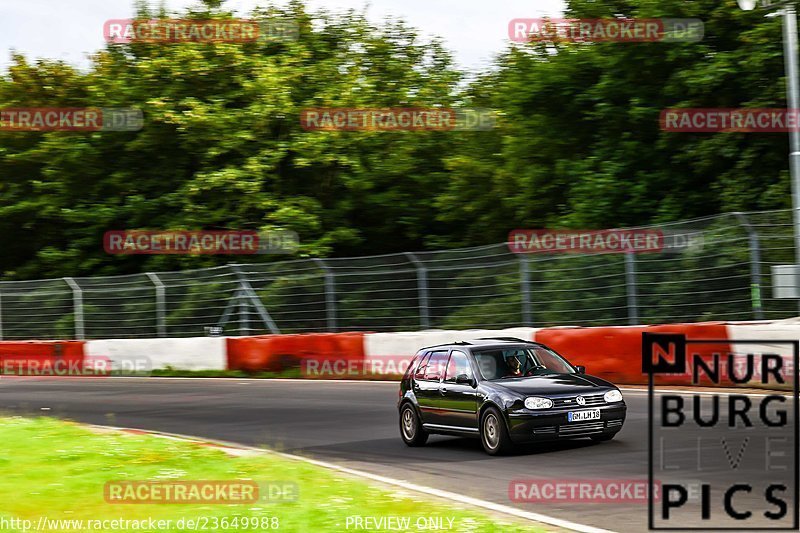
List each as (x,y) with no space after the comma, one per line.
(514,367)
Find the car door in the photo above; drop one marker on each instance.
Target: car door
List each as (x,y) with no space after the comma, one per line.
(459,400)
(426,386)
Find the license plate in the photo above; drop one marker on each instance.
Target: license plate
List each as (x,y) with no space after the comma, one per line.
(580,416)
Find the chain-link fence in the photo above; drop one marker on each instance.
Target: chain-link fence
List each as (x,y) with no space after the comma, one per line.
(725,277)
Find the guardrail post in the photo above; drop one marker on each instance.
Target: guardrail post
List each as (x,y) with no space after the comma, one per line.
(77,307)
(630,285)
(161,304)
(525,289)
(422,289)
(755,265)
(330,294)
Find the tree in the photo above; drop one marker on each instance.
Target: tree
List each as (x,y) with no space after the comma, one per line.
(580,143)
(222,146)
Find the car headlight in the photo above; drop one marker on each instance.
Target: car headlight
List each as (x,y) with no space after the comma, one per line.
(613,396)
(538,403)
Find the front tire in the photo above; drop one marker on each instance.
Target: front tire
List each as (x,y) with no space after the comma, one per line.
(411,429)
(494,433)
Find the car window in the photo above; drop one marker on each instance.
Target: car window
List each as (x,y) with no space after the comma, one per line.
(457,365)
(552,360)
(411,366)
(497,364)
(436,365)
(520,362)
(420,373)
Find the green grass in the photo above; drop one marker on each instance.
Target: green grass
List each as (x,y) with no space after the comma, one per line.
(55,469)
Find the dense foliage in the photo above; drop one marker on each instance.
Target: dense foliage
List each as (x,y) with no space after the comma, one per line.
(577,142)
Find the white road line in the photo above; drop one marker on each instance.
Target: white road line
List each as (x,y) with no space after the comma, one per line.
(449,496)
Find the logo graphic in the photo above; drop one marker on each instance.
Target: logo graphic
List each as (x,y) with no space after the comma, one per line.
(199,492)
(586,490)
(723,460)
(554,30)
(765,120)
(160,31)
(227,242)
(60,365)
(397,119)
(581,400)
(71,119)
(663,353)
(607,241)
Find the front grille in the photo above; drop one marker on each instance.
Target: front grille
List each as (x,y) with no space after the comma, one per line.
(544,430)
(614,423)
(581,428)
(592,400)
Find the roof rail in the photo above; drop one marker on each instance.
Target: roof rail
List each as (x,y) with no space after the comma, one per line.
(456,343)
(509,339)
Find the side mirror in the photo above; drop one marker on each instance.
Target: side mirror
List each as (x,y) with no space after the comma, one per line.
(463,379)
(581,369)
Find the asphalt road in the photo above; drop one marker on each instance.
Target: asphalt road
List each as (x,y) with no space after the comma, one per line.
(355,424)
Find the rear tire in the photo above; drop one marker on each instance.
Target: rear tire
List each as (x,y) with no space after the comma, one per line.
(494,433)
(411,430)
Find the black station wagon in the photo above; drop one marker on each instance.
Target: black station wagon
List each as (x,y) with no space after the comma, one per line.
(505,391)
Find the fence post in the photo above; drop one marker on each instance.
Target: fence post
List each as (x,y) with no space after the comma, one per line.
(244,311)
(755,265)
(161,304)
(525,289)
(330,293)
(630,285)
(422,288)
(245,294)
(77,307)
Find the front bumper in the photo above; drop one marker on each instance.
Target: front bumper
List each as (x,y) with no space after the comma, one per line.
(535,426)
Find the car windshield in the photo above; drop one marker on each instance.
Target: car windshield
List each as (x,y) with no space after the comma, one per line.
(500,363)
